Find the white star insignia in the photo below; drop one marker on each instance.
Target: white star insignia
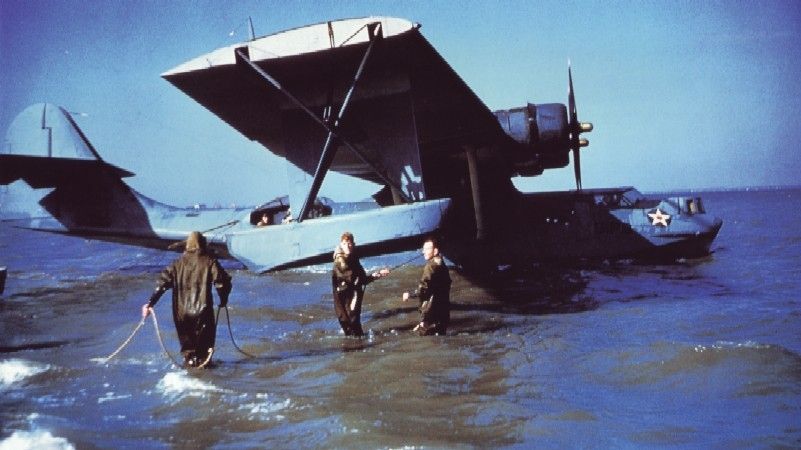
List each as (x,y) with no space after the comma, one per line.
(659,218)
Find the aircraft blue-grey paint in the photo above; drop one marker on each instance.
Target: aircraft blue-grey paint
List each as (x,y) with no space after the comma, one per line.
(58,182)
(369,98)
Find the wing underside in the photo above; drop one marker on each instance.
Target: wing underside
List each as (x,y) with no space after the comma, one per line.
(408,106)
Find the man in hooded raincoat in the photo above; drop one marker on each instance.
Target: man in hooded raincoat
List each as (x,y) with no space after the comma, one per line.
(348,281)
(190,277)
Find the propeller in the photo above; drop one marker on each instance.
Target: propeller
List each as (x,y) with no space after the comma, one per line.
(575,128)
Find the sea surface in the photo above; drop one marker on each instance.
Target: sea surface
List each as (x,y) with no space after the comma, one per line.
(697,354)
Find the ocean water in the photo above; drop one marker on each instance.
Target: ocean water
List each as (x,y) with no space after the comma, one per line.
(698,354)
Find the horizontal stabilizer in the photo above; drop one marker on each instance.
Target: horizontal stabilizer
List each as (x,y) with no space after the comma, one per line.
(46,148)
(42,172)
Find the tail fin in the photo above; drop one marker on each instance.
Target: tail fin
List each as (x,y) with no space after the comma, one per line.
(45,148)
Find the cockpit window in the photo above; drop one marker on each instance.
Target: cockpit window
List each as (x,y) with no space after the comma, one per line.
(611,200)
(631,197)
(699,205)
(692,205)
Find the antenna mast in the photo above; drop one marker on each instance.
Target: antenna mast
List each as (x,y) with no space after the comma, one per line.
(252,33)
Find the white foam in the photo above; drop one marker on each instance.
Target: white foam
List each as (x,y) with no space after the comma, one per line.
(264,409)
(723,345)
(109,396)
(15,370)
(179,384)
(24,440)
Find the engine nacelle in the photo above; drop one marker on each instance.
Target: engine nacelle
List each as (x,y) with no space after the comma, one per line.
(543,130)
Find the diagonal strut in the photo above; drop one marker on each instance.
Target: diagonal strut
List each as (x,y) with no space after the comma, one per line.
(329,148)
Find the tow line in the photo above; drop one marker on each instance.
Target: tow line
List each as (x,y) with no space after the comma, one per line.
(161,342)
(230,333)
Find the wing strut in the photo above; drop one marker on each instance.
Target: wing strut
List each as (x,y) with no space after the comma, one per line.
(472,167)
(332,127)
(330,147)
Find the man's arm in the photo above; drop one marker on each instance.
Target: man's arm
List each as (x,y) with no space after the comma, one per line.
(422,291)
(424,288)
(164,282)
(222,282)
(154,298)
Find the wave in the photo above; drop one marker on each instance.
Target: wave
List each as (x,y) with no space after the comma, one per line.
(38,439)
(178,385)
(264,409)
(749,362)
(15,370)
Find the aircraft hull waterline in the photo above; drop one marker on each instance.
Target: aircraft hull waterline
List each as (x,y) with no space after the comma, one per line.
(392,228)
(590,225)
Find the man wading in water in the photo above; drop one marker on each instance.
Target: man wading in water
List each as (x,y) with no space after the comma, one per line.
(349,280)
(190,277)
(433,293)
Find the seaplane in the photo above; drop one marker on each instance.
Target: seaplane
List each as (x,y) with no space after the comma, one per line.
(369,98)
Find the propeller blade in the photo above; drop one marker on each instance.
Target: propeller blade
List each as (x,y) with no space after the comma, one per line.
(571,100)
(574,126)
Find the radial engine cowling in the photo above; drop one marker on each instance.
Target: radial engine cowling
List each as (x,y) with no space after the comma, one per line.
(543,132)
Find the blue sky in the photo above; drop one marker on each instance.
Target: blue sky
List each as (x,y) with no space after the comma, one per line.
(682,94)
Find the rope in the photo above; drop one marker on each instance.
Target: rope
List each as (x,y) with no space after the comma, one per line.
(416,255)
(364,287)
(208,358)
(127,341)
(227,224)
(231,333)
(161,341)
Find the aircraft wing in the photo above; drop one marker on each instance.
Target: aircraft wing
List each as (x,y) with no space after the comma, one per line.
(409,105)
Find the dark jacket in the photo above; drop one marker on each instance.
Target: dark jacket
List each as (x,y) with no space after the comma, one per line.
(434,292)
(348,280)
(191,277)
(348,272)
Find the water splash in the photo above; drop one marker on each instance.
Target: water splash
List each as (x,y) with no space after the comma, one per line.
(38,439)
(15,370)
(264,409)
(180,384)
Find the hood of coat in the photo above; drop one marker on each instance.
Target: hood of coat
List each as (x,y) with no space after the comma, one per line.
(196,242)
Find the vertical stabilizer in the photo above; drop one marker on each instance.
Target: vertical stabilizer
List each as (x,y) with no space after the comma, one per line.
(47,130)
(49,169)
